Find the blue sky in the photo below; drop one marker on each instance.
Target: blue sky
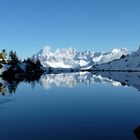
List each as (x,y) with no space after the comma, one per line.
(26,26)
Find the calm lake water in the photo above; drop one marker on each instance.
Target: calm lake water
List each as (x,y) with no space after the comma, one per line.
(73,106)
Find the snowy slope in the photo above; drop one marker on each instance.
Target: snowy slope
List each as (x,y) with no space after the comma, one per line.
(71,59)
(105,57)
(130,62)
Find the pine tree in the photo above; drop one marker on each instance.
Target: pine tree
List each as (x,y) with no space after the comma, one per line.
(13,57)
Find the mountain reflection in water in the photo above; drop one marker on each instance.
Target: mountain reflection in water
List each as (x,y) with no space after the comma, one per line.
(94,108)
(72,79)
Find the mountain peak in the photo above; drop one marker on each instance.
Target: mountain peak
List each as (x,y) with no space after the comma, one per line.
(70,58)
(119,50)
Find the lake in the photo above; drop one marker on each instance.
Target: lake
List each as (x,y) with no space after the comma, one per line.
(72,106)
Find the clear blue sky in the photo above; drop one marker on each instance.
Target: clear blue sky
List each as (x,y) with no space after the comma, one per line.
(26,26)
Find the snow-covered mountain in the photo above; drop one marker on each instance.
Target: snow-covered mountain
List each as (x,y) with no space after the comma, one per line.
(71,59)
(130,62)
(104,57)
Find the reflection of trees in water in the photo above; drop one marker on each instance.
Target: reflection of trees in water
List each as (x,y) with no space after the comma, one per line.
(10,84)
(12,87)
(2,89)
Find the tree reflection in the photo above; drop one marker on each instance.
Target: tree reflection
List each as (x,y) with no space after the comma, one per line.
(2,89)
(10,83)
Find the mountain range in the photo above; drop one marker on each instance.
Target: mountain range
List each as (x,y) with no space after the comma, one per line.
(69,58)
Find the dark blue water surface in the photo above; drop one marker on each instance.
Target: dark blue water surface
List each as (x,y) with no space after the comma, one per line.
(96,111)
